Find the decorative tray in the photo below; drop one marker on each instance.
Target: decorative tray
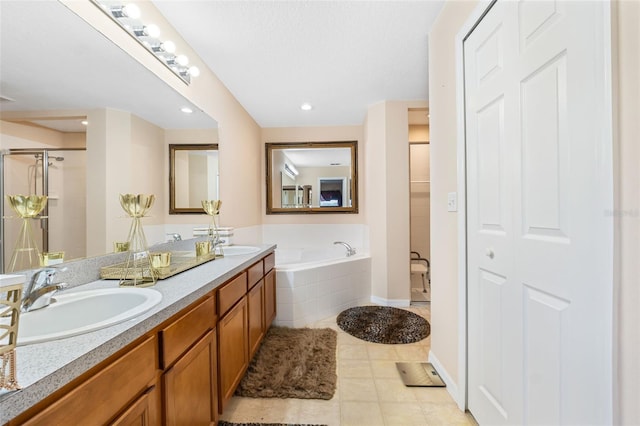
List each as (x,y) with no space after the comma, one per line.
(180,262)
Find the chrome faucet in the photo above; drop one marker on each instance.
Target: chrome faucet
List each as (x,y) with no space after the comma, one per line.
(40,289)
(350,250)
(175,237)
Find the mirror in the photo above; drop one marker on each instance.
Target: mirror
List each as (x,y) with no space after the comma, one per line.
(312,177)
(193,177)
(47,88)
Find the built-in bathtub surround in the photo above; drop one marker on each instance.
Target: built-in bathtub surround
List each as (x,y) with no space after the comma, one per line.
(317,283)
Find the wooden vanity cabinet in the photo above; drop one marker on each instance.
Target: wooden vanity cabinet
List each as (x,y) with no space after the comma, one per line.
(255,299)
(233,350)
(242,327)
(269,298)
(181,373)
(144,412)
(122,389)
(189,360)
(190,386)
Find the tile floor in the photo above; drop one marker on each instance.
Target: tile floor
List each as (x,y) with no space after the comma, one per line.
(369,391)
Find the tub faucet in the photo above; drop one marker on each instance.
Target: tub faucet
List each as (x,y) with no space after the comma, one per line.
(41,289)
(350,250)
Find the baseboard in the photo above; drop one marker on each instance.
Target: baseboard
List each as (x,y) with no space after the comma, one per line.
(452,386)
(396,303)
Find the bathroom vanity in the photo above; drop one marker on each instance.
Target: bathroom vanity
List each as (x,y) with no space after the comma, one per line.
(177,364)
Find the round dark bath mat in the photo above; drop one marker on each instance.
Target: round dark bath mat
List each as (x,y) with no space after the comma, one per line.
(383,324)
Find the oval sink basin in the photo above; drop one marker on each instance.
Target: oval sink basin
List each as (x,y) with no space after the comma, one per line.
(238,250)
(84,311)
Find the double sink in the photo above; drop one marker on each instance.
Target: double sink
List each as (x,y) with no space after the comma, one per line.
(77,312)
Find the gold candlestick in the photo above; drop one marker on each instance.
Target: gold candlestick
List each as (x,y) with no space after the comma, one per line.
(212,208)
(10,297)
(26,254)
(138,271)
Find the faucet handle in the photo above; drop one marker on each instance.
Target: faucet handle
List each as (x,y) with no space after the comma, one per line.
(45,275)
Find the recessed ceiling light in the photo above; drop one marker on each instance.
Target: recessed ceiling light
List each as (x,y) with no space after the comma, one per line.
(186,110)
(306,107)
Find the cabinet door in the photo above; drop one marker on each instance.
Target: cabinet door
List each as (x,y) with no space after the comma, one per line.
(107,393)
(144,412)
(233,350)
(256,317)
(269,298)
(190,387)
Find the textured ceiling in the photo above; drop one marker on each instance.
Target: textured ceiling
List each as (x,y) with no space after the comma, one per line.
(339,56)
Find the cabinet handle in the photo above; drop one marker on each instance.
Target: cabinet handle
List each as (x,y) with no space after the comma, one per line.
(490,254)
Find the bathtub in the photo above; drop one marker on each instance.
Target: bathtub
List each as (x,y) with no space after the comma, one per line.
(316,283)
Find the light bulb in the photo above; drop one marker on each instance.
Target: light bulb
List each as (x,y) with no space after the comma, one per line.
(186,110)
(169,46)
(152,31)
(306,107)
(132,11)
(182,60)
(194,71)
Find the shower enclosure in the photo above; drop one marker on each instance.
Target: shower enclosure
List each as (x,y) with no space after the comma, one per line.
(60,174)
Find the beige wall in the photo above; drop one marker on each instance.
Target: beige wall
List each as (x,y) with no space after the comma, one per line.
(443,137)
(124,156)
(626,64)
(387,189)
(418,133)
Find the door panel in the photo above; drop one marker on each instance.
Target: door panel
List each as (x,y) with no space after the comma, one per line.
(539,244)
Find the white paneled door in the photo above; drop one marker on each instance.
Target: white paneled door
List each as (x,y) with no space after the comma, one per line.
(539,199)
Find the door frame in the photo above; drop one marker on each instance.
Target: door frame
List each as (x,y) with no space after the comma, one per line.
(478,13)
(460,393)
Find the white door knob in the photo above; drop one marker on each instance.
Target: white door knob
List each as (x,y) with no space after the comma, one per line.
(490,253)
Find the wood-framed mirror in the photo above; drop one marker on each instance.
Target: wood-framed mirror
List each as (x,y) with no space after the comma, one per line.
(193,177)
(312,177)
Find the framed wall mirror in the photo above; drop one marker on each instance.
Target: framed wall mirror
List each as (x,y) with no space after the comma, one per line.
(193,177)
(312,177)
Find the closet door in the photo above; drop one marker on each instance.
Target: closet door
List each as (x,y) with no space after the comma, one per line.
(539,241)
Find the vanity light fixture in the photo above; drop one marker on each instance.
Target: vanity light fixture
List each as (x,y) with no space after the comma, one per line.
(182,60)
(125,11)
(128,16)
(306,106)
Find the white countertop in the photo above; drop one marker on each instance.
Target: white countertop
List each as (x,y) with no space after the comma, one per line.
(43,368)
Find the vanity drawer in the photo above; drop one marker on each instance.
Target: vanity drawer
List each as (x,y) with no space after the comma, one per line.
(269,262)
(231,292)
(186,330)
(256,272)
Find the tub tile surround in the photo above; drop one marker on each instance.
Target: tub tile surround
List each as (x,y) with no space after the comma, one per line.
(310,290)
(316,235)
(43,368)
(307,295)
